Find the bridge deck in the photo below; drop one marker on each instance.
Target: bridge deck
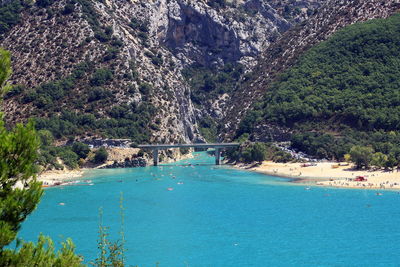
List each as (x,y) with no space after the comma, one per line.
(201,145)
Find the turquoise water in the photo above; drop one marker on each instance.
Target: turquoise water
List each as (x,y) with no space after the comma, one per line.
(223,217)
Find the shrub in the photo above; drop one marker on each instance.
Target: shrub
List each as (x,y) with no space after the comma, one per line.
(100,155)
(69,158)
(98,94)
(145,88)
(140,153)
(44,3)
(69,8)
(46,137)
(184,150)
(9,15)
(111,53)
(81,149)
(100,77)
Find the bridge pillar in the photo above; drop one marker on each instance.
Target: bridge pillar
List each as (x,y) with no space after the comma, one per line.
(155,157)
(217,156)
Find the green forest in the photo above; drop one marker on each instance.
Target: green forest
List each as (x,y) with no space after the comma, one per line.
(341,93)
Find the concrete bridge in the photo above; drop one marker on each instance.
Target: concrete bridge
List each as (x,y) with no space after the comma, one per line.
(218,147)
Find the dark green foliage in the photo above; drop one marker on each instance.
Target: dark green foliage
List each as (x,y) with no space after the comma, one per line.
(69,157)
(348,84)
(52,91)
(157,60)
(59,127)
(98,93)
(81,149)
(143,29)
(257,152)
(248,123)
(116,42)
(209,83)
(45,96)
(290,12)
(111,253)
(322,146)
(42,254)
(125,122)
(80,70)
(217,3)
(119,112)
(100,155)
(101,76)
(184,150)
(103,34)
(140,153)
(145,89)
(69,8)
(144,36)
(361,156)
(90,14)
(15,90)
(353,79)
(10,15)
(111,54)
(18,154)
(44,3)
(46,137)
(327,146)
(142,26)
(208,128)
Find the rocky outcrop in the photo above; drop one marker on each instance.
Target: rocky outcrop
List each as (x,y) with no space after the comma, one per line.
(282,54)
(128,163)
(112,143)
(198,33)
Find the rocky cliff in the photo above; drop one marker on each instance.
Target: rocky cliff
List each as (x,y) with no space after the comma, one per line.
(109,58)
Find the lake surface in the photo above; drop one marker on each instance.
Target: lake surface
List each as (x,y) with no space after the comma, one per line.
(218,216)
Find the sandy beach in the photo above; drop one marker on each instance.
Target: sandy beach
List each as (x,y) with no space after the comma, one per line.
(330,174)
(55,177)
(63,177)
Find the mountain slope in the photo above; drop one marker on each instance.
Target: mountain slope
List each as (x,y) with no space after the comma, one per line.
(280,56)
(342,93)
(113,68)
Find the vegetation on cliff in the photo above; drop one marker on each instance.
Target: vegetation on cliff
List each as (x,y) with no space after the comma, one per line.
(257,152)
(341,93)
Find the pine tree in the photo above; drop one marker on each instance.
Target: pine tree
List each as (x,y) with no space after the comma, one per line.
(20,193)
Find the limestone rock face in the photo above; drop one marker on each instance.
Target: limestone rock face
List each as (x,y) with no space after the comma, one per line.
(200,34)
(150,40)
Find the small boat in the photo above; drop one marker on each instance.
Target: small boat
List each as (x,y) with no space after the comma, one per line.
(170,189)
